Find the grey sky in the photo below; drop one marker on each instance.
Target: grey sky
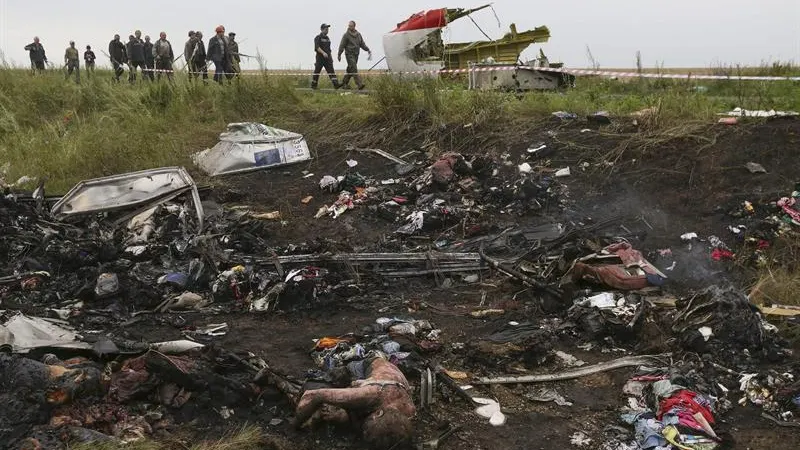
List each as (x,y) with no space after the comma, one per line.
(677,33)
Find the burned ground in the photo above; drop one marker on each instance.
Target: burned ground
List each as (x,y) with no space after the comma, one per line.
(655,186)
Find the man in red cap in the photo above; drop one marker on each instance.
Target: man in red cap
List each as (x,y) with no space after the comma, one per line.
(218,52)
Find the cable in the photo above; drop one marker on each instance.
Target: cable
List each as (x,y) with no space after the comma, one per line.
(478,26)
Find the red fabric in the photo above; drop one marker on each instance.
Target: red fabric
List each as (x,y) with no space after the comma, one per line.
(719,254)
(433,18)
(615,276)
(686,400)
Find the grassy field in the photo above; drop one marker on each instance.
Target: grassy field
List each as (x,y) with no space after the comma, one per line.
(53,128)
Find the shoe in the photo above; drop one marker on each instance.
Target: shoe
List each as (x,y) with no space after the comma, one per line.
(361,88)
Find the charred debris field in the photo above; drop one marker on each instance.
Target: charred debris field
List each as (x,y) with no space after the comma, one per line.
(606,281)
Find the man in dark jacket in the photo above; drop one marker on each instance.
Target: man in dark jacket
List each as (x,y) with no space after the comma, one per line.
(218,52)
(38,57)
(88,59)
(135,50)
(118,55)
(197,59)
(164,56)
(324,57)
(71,59)
(149,58)
(351,44)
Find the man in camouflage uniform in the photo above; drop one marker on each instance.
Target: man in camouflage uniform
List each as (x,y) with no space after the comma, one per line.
(164,56)
(351,45)
(233,56)
(72,59)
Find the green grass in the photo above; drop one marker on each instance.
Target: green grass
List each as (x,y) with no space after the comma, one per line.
(67,132)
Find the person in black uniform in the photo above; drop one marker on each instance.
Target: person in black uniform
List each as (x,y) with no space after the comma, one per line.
(324,57)
(135,51)
(88,59)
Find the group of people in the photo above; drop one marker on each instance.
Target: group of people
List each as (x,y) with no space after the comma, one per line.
(157,58)
(153,59)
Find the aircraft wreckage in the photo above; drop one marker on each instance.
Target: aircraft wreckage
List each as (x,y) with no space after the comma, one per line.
(415,46)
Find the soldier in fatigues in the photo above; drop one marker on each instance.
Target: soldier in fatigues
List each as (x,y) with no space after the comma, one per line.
(198,65)
(351,45)
(324,57)
(233,56)
(164,56)
(187,49)
(72,60)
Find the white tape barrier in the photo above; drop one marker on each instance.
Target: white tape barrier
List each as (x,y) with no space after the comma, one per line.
(604,73)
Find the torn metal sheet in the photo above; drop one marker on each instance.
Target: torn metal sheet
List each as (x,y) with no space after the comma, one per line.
(23,334)
(135,189)
(416,43)
(628,361)
(385,154)
(249,146)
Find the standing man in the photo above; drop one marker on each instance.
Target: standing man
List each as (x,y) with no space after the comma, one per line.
(164,56)
(233,56)
(71,59)
(118,55)
(218,52)
(135,49)
(88,59)
(188,48)
(38,58)
(197,60)
(351,45)
(149,58)
(324,57)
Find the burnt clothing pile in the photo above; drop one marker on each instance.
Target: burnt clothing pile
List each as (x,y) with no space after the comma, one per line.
(666,414)
(404,342)
(126,399)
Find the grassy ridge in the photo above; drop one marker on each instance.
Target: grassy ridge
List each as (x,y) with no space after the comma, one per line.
(67,132)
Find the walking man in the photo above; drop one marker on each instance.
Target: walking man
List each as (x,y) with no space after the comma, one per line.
(72,59)
(197,64)
(118,55)
(218,53)
(149,58)
(135,49)
(351,45)
(233,56)
(88,59)
(38,57)
(324,57)
(164,56)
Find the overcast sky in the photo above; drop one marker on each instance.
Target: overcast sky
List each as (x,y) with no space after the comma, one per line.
(675,33)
